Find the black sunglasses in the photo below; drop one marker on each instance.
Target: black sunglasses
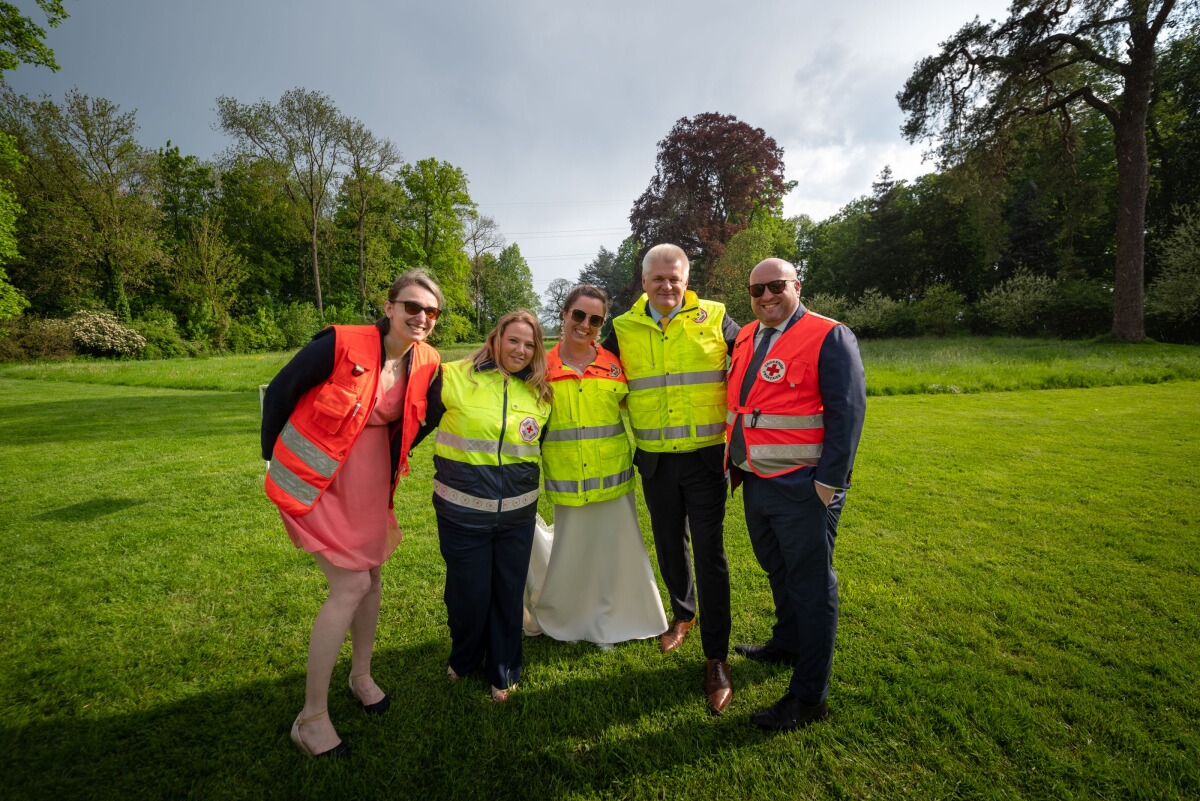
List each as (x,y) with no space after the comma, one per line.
(776,287)
(595,320)
(414,308)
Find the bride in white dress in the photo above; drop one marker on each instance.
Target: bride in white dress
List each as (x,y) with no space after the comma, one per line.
(589,576)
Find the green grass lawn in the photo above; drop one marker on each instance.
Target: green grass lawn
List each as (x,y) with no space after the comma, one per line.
(1019,572)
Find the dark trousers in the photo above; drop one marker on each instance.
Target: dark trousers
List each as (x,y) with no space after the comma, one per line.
(793,534)
(485,579)
(686,495)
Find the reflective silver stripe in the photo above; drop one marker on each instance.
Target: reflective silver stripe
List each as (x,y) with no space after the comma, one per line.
(675,432)
(677,380)
(710,430)
(594,432)
(292,484)
(519,451)
(488,446)
(321,463)
(589,484)
(484,504)
(769,458)
(467,444)
(781,421)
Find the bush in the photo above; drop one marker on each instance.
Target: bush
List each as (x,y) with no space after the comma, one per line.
(161,331)
(827,305)
(1175,293)
(206,328)
(1081,308)
(99,334)
(1023,305)
(876,315)
(298,322)
(258,332)
(941,311)
(34,338)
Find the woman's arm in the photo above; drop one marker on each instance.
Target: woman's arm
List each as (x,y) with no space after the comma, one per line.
(311,365)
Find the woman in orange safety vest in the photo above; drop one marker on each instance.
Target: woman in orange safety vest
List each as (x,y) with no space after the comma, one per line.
(338,422)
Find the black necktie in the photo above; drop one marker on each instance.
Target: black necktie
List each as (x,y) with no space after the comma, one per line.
(737,443)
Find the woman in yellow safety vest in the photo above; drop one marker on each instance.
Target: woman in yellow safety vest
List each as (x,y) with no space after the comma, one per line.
(599,585)
(338,422)
(492,412)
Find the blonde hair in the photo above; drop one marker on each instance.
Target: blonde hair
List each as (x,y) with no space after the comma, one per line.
(489,352)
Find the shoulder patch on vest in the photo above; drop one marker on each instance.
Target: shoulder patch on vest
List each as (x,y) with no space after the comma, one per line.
(772,370)
(530,429)
(614,370)
(700,316)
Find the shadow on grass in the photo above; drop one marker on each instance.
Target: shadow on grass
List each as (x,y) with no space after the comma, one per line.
(89,510)
(439,740)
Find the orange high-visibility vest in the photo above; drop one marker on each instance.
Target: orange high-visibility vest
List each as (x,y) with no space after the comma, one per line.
(329,418)
(782,418)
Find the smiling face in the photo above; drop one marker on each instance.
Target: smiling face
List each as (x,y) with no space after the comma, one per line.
(664,284)
(584,333)
(515,347)
(410,328)
(772,309)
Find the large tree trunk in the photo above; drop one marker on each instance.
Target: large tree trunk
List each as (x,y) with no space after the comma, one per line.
(1133,183)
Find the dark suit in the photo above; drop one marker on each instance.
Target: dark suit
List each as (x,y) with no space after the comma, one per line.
(793,533)
(685,495)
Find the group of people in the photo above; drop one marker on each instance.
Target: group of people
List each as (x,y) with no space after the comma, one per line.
(776,406)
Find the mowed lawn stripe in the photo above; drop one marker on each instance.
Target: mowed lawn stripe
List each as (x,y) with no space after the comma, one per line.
(1019,583)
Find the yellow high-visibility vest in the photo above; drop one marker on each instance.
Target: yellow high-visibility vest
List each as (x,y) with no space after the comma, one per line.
(676,377)
(487,448)
(586,455)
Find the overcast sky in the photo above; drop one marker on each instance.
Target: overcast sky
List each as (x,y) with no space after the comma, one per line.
(553,109)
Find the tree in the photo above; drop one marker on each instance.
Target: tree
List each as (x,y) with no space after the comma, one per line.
(481,238)
(555,295)
(187,190)
(507,286)
(713,174)
(303,134)
(369,159)
(729,276)
(1051,57)
(90,192)
(209,271)
(434,219)
(615,272)
(22,41)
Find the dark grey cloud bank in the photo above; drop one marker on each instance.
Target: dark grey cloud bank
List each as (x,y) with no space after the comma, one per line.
(554,109)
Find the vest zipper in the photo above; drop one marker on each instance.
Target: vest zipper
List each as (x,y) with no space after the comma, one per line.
(499,455)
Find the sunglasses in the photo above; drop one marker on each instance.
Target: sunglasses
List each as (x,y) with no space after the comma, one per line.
(777,286)
(595,320)
(414,308)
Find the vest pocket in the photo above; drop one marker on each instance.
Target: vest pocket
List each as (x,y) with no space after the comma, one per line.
(333,405)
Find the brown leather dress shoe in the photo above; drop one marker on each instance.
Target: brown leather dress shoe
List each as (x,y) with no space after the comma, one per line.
(717,686)
(672,638)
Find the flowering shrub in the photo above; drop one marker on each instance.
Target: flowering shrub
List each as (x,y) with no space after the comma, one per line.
(100,334)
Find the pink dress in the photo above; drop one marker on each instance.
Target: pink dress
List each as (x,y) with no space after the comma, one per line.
(353,524)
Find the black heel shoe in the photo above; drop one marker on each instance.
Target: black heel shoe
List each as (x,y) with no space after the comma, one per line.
(340,750)
(377,708)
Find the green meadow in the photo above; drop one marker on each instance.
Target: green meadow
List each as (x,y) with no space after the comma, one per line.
(1019,561)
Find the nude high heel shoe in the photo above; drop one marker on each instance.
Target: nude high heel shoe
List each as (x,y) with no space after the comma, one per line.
(377,708)
(342,749)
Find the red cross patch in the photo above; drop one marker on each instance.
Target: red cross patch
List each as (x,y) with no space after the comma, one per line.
(772,370)
(530,429)
(700,316)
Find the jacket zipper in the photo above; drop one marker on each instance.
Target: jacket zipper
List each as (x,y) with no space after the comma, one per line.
(499,446)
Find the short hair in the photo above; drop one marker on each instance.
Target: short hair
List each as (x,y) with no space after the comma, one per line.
(415,277)
(584,291)
(665,252)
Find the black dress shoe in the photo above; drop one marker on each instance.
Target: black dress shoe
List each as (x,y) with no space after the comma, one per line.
(788,713)
(768,654)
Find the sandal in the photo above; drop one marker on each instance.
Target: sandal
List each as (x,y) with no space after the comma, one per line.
(342,749)
(377,708)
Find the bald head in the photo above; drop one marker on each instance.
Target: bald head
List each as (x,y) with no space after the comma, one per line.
(780,291)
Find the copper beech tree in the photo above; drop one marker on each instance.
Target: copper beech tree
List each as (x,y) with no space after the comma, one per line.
(1051,57)
(713,174)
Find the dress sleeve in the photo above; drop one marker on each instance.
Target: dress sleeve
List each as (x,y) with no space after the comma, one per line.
(311,365)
